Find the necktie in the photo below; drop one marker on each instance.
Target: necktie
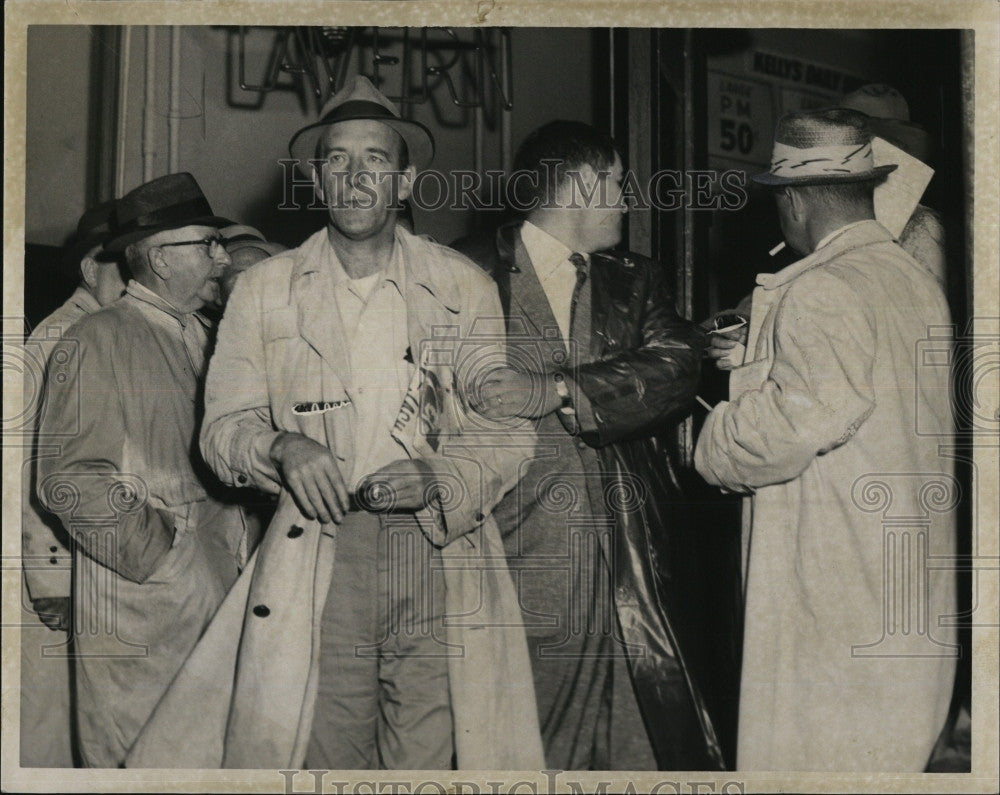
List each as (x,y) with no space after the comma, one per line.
(579,315)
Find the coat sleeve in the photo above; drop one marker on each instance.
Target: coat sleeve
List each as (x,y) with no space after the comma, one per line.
(237,432)
(481,462)
(47,563)
(819,391)
(87,480)
(631,394)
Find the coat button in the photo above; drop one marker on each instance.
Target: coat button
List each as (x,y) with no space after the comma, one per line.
(241,479)
(480,518)
(295,532)
(262,611)
(53,561)
(53,549)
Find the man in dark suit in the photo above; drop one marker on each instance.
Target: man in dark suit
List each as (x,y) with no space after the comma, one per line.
(601,360)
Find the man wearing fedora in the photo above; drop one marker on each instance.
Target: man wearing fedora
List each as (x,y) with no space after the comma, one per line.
(155,548)
(47,561)
(345,661)
(831,417)
(923,237)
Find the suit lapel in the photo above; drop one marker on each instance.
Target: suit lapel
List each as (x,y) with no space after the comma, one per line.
(531,319)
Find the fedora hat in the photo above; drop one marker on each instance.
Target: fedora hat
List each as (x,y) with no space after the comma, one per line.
(819,147)
(164,203)
(361,100)
(889,118)
(92,230)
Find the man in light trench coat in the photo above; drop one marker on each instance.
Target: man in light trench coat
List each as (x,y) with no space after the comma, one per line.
(157,544)
(832,430)
(325,358)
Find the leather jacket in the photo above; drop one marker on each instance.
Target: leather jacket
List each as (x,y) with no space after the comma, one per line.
(642,376)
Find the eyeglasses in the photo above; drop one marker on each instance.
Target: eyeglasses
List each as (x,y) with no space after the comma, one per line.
(207,242)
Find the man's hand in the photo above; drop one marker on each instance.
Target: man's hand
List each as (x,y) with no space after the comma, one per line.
(403,485)
(311,473)
(725,347)
(509,393)
(56,612)
(727,335)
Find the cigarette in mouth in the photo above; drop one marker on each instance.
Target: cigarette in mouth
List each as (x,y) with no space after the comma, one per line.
(777,248)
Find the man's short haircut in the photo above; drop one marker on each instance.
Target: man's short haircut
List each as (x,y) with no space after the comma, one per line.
(572,144)
(404,151)
(840,196)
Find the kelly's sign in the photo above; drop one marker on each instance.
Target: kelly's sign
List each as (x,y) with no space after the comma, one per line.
(808,74)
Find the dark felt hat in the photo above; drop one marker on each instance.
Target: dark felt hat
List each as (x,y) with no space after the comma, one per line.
(164,203)
(819,147)
(361,100)
(92,230)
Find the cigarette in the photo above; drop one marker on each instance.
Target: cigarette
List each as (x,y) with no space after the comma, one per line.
(703,403)
(777,248)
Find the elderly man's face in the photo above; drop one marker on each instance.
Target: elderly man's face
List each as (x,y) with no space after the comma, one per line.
(361,177)
(192,265)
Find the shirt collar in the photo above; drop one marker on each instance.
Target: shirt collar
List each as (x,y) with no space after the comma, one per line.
(394,273)
(838,232)
(415,259)
(85,299)
(546,252)
(142,293)
(849,235)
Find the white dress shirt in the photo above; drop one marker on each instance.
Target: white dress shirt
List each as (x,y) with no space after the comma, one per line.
(373,318)
(557,274)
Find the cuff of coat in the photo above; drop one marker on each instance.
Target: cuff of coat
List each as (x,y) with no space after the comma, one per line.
(50,580)
(710,460)
(461,506)
(250,461)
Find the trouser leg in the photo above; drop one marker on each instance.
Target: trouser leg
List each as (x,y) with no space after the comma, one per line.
(345,722)
(415,724)
(383,696)
(572,667)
